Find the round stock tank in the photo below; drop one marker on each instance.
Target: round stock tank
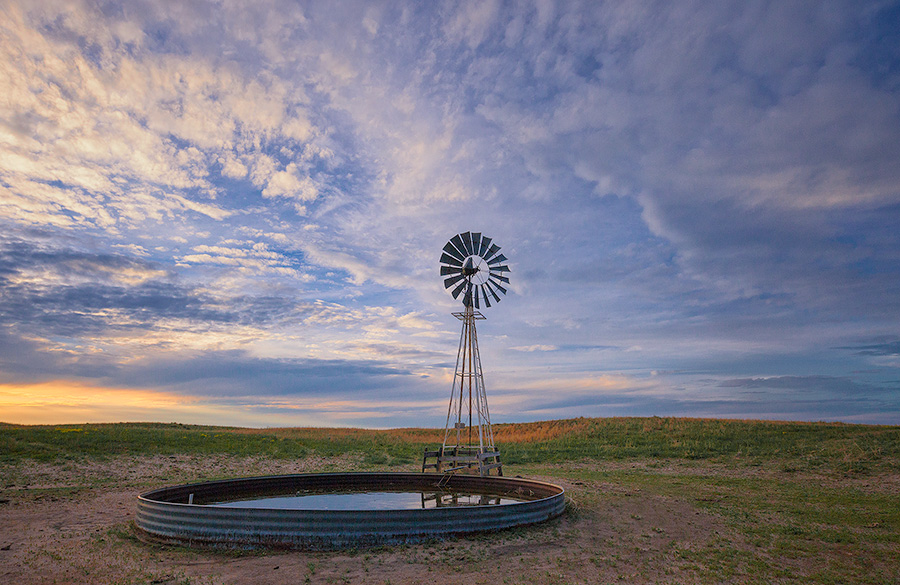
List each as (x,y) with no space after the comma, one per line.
(279,512)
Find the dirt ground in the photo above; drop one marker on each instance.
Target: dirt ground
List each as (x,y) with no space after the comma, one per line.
(73,523)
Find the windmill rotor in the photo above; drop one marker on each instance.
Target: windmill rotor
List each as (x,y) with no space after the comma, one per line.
(473,266)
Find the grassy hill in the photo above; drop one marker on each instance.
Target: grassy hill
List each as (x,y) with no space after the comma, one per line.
(834,446)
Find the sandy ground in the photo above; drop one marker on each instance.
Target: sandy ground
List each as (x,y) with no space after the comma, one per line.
(73,523)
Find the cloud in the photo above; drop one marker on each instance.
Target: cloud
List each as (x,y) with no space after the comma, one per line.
(51,291)
(885,348)
(678,188)
(243,254)
(532,348)
(817,384)
(235,373)
(288,183)
(126,118)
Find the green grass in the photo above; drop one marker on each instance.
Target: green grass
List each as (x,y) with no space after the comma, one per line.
(52,443)
(855,449)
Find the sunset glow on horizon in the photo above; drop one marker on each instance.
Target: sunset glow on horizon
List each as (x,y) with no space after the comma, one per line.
(233,213)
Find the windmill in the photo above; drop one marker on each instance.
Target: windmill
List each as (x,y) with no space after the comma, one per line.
(474,267)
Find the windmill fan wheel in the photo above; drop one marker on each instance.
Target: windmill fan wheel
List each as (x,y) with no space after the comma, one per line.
(475,269)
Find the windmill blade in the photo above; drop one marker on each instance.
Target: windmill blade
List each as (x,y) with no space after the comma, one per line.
(450,249)
(476,242)
(500,288)
(497,259)
(490,253)
(487,301)
(485,242)
(500,277)
(467,242)
(475,294)
(467,298)
(448,282)
(496,296)
(457,241)
(459,289)
(448,259)
(501,268)
(461,248)
(445,270)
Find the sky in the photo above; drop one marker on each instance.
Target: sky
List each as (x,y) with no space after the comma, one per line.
(233,212)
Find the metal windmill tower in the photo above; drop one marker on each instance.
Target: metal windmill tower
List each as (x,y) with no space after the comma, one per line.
(473,265)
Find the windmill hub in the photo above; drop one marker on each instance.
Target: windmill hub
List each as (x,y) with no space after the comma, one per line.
(477,268)
(474,267)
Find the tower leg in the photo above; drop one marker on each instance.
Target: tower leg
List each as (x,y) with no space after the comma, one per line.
(468,438)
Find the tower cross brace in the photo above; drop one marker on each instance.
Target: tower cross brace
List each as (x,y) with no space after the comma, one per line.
(468,444)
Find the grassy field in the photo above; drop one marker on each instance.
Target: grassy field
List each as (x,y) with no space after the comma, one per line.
(651,499)
(831,446)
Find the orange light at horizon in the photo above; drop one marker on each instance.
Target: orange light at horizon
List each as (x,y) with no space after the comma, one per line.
(62,401)
(69,402)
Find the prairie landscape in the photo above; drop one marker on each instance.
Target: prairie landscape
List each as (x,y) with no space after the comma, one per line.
(650,500)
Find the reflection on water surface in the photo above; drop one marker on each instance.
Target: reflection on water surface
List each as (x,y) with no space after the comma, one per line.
(370,501)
